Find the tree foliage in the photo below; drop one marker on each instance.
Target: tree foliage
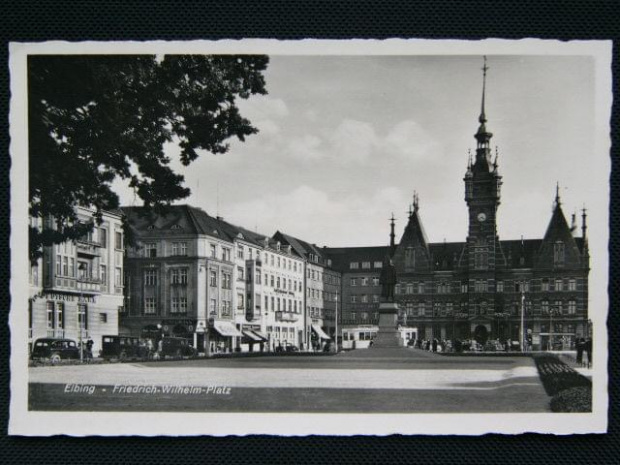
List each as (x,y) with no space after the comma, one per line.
(93,119)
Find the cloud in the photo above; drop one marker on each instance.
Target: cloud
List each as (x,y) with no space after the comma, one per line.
(260,107)
(353,141)
(409,140)
(316,216)
(306,148)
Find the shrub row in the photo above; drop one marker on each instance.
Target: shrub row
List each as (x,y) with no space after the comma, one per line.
(570,391)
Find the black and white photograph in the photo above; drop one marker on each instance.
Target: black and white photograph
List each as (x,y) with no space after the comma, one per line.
(312,237)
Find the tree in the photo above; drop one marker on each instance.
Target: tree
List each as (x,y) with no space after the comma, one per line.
(95,118)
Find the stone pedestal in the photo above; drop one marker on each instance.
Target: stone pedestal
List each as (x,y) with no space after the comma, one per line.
(388,335)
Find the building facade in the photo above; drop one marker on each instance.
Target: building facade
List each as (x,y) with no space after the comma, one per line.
(76,288)
(227,289)
(533,291)
(322,286)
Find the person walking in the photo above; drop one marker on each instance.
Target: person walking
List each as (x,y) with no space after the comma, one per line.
(580,346)
(435,345)
(588,349)
(89,350)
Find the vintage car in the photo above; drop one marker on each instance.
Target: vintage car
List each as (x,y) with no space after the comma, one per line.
(123,348)
(177,347)
(54,350)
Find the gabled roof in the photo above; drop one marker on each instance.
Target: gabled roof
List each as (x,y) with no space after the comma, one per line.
(300,246)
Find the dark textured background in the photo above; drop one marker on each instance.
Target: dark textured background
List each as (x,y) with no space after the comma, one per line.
(183,20)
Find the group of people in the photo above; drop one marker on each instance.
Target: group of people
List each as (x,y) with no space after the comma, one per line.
(431,345)
(86,347)
(584,345)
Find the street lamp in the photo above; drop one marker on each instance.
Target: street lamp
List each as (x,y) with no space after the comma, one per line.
(552,311)
(80,309)
(336,317)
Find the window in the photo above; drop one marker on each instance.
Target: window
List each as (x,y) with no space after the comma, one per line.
(213,248)
(278,282)
(150,250)
(225,254)
(375,281)
(353,281)
(58,265)
(65,266)
(240,300)
(364,315)
(103,318)
(240,274)
(226,308)
(378,264)
(174,305)
(50,314)
(364,298)
(226,281)
(480,285)
(558,306)
(375,298)
(150,277)
(572,284)
(464,287)
(559,285)
(258,277)
(544,306)
(212,278)
(354,265)
(409,288)
(421,288)
(150,305)
(212,307)
(118,240)
(240,253)
(118,277)
(499,286)
(271,280)
(558,253)
(353,316)
(178,276)
(481,259)
(449,309)
(364,281)
(103,274)
(266,303)
(353,299)
(572,307)
(365,265)
(179,248)
(103,238)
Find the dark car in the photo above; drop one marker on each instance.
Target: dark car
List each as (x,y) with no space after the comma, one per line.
(177,347)
(123,348)
(55,350)
(291,348)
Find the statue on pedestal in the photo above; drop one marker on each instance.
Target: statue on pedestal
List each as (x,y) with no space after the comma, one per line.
(387,279)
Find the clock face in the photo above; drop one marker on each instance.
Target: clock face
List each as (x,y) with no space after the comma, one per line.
(482,217)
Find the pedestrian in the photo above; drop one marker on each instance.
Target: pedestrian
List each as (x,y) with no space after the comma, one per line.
(588,349)
(580,346)
(435,345)
(160,348)
(89,349)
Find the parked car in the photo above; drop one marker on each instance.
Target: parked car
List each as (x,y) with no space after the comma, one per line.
(55,350)
(177,347)
(291,348)
(123,348)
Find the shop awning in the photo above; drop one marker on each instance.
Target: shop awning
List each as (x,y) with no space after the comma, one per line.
(319,332)
(250,335)
(226,328)
(261,335)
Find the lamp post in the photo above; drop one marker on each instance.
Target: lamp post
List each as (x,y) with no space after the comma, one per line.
(552,311)
(80,313)
(522,327)
(336,319)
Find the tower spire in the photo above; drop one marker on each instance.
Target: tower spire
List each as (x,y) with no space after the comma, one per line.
(557,194)
(483,152)
(392,235)
(483,118)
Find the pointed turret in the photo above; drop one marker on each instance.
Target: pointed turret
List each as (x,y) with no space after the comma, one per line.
(559,248)
(412,252)
(392,236)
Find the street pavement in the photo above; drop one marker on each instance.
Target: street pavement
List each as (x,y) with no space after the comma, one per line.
(371,380)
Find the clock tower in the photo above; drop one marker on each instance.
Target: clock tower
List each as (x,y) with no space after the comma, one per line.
(482,194)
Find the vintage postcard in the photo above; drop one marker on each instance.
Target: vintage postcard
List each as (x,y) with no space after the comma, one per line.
(310,237)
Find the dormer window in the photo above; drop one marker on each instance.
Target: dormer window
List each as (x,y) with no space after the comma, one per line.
(175,226)
(151,227)
(558,253)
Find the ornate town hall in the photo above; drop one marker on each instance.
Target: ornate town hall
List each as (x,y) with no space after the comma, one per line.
(484,288)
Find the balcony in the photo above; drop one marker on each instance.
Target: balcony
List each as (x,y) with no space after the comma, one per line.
(287,316)
(88,248)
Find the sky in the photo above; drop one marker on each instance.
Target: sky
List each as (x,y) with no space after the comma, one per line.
(345,141)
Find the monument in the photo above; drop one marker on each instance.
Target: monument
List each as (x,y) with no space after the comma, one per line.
(388,335)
